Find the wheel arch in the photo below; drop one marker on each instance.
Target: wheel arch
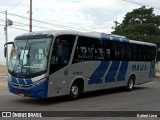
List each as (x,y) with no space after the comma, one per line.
(132,75)
(130,82)
(77,80)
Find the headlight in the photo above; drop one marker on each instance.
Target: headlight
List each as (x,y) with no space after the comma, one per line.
(39,81)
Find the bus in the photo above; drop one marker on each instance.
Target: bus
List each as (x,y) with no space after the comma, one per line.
(62,62)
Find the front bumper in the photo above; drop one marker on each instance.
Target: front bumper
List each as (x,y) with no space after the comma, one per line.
(38,91)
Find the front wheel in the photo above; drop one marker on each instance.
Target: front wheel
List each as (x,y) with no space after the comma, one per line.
(130,84)
(74,92)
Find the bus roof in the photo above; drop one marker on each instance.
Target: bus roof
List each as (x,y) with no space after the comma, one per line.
(110,37)
(49,32)
(101,36)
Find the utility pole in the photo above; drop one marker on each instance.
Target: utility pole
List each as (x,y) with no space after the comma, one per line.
(116,23)
(6,36)
(30,20)
(8,23)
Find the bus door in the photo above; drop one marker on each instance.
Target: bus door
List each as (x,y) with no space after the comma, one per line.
(60,58)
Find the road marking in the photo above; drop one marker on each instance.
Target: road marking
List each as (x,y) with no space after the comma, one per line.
(3,85)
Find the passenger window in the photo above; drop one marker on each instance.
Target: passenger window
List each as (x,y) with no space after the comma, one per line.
(105,50)
(61,52)
(86,49)
(117,55)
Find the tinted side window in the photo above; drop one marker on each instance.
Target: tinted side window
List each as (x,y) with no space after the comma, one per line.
(151,53)
(118,51)
(61,52)
(107,50)
(88,49)
(136,52)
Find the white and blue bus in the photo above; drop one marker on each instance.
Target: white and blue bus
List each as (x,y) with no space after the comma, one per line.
(55,63)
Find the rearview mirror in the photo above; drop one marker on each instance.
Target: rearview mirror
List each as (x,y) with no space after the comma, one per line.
(5,51)
(5,48)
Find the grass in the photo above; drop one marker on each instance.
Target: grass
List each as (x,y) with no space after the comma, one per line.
(157,71)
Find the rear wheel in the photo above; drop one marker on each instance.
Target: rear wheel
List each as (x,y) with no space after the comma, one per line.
(130,84)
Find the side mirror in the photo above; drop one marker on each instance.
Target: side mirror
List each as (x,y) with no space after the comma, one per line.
(5,48)
(5,51)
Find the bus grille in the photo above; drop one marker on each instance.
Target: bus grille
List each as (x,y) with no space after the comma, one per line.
(20,85)
(21,91)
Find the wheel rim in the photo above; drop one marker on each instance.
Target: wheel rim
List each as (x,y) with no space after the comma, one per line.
(131,83)
(74,90)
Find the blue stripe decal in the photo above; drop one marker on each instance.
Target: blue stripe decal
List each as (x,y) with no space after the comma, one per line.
(110,77)
(14,80)
(122,71)
(21,81)
(29,81)
(110,38)
(152,68)
(97,76)
(117,39)
(105,38)
(153,65)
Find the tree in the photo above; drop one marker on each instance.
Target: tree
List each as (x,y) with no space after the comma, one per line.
(140,24)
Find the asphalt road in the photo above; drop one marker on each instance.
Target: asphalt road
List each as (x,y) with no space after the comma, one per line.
(145,97)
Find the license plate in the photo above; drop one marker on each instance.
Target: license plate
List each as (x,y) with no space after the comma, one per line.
(21,94)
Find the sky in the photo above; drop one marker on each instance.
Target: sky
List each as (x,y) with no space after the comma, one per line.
(80,15)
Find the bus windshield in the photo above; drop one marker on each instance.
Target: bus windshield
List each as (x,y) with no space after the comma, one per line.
(29,56)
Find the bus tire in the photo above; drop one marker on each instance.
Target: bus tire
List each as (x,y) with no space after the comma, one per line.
(130,83)
(74,92)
